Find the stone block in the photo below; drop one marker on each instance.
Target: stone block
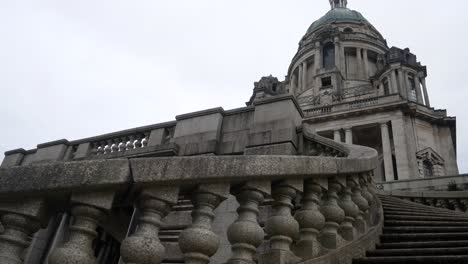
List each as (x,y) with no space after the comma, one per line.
(13,158)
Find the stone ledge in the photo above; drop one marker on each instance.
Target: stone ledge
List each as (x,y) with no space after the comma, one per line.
(217,110)
(52,178)
(15,151)
(53,143)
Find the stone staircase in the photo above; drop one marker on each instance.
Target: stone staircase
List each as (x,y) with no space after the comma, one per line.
(415,233)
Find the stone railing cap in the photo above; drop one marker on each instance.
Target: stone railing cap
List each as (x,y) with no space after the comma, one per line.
(217,110)
(15,151)
(53,143)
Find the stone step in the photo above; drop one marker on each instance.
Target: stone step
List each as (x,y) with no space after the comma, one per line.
(415,237)
(413,260)
(425,214)
(389,223)
(425,218)
(420,208)
(418,252)
(435,211)
(427,244)
(425,229)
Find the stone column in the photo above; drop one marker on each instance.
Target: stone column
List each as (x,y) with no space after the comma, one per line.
(337,53)
(334,215)
(387,152)
(304,76)
(394,85)
(311,220)
(409,88)
(88,211)
(381,89)
(359,62)
(349,135)
(198,242)
(426,95)
(337,135)
(300,78)
(282,227)
(366,64)
(246,234)
(401,81)
(402,157)
(144,246)
(417,85)
(317,65)
(20,221)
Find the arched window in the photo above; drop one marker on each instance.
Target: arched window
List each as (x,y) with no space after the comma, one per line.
(329,56)
(428,169)
(348,30)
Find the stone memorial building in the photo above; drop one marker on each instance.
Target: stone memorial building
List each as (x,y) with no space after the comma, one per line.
(289,178)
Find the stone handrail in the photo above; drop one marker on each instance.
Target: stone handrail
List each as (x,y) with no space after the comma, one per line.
(452,200)
(91,190)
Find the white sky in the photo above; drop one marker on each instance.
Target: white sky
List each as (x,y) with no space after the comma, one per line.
(74,69)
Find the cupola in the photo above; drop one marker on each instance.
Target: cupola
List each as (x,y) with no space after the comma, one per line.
(338,3)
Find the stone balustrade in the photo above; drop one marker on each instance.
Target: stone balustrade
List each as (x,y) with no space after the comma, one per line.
(318,205)
(456,200)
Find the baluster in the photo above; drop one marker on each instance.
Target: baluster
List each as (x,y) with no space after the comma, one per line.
(246,234)
(100,150)
(94,150)
(138,143)
(20,221)
(363,205)
(432,202)
(123,144)
(418,200)
(145,140)
(457,206)
(446,204)
(144,246)
(311,220)
(108,147)
(79,249)
(334,215)
(198,242)
(351,210)
(465,204)
(439,203)
(115,145)
(281,226)
(365,191)
(130,142)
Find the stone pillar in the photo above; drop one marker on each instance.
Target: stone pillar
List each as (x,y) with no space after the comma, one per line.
(198,243)
(401,149)
(381,89)
(246,234)
(387,152)
(359,63)
(394,85)
(317,64)
(144,246)
(20,221)
(342,59)
(337,53)
(366,64)
(402,83)
(337,135)
(334,215)
(409,88)
(304,76)
(311,220)
(282,227)
(417,85)
(300,78)
(351,210)
(88,211)
(426,95)
(349,135)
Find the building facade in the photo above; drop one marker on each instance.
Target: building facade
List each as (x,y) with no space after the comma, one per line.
(170,184)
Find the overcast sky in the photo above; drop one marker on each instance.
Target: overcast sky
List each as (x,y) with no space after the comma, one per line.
(74,69)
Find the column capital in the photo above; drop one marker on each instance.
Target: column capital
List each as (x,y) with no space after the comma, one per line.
(384,123)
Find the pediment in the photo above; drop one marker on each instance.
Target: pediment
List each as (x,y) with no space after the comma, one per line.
(430,154)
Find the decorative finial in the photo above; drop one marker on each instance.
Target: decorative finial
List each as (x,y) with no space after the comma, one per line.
(338,3)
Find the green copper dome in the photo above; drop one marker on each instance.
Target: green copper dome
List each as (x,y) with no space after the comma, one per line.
(341,14)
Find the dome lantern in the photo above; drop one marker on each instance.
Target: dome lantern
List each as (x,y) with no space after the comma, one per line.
(338,3)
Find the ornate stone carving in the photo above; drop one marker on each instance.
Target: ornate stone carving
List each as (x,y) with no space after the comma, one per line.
(282,227)
(311,221)
(78,249)
(144,246)
(198,242)
(246,234)
(334,216)
(350,209)
(20,221)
